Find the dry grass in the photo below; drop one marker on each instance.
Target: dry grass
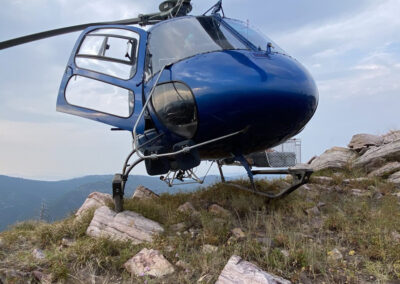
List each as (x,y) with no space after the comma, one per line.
(280,237)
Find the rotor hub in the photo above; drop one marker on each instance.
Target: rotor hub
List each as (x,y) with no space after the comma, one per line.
(184,9)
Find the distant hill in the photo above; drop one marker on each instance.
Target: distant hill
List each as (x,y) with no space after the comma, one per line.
(21,199)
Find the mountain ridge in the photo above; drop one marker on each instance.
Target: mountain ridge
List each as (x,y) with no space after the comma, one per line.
(23,198)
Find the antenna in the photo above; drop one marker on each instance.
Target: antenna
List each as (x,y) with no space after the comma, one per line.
(216,8)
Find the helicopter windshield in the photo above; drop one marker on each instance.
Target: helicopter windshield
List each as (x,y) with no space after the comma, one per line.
(253,35)
(182,38)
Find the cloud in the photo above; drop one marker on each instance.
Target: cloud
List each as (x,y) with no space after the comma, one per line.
(355,56)
(53,150)
(369,67)
(375,75)
(355,60)
(370,28)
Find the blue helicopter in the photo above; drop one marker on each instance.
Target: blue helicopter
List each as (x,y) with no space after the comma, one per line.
(189,89)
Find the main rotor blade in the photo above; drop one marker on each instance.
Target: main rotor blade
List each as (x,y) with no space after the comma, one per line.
(56,32)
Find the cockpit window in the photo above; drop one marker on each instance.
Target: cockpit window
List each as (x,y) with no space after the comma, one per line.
(253,35)
(186,37)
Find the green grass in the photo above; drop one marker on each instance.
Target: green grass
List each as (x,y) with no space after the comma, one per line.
(280,237)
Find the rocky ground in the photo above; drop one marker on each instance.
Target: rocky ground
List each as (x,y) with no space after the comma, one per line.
(342,227)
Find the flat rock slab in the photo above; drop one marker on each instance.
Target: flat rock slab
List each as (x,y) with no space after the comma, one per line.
(376,157)
(360,192)
(386,170)
(149,262)
(218,210)
(395,178)
(126,225)
(143,193)
(391,137)
(322,180)
(238,271)
(360,141)
(94,201)
(349,181)
(207,249)
(334,158)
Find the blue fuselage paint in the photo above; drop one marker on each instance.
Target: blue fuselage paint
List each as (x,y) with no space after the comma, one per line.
(272,96)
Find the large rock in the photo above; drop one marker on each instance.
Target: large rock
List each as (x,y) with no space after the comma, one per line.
(391,137)
(93,201)
(238,271)
(143,193)
(149,262)
(334,158)
(376,157)
(395,178)
(360,141)
(126,225)
(386,170)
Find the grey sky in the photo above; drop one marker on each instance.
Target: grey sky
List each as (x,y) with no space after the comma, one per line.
(351,47)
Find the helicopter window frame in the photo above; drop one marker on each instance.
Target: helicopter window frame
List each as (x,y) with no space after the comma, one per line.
(149,71)
(135,55)
(131,94)
(275,49)
(107,58)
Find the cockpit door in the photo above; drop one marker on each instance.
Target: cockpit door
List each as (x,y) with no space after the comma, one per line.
(103,77)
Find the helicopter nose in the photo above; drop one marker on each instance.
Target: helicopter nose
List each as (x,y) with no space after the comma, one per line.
(273,96)
(268,92)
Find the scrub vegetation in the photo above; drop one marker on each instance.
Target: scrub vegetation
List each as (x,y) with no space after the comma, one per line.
(322,233)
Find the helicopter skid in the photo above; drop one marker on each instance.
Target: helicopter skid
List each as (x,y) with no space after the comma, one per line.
(300,176)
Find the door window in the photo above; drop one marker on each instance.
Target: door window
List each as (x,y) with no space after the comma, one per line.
(99,96)
(109,51)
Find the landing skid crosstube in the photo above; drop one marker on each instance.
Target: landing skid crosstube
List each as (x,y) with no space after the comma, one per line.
(300,176)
